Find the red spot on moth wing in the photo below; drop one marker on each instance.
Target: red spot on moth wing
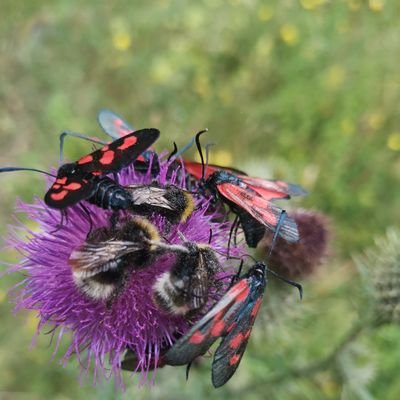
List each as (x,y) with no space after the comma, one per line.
(107,158)
(95,173)
(256,307)
(73,186)
(268,194)
(247,334)
(105,148)
(62,181)
(119,125)
(56,186)
(219,315)
(236,341)
(141,158)
(128,142)
(59,196)
(239,291)
(196,338)
(234,359)
(85,159)
(218,328)
(230,327)
(243,295)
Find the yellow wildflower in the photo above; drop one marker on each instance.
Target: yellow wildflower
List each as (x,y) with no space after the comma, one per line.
(375,120)
(265,13)
(393,141)
(122,41)
(376,5)
(219,157)
(31,322)
(354,5)
(161,71)
(311,4)
(289,34)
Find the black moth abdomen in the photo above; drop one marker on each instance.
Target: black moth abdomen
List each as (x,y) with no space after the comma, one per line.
(110,195)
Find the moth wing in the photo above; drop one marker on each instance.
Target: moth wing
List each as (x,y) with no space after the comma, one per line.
(261,209)
(209,328)
(195,168)
(112,124)
(273,189)
(229,353)
(118,154)
(67,191)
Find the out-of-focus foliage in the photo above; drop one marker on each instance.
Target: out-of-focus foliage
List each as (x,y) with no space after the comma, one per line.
(306,91)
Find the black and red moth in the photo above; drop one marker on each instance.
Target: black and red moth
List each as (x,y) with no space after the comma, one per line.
(80,180)
(231,319)
(116,127)
(249,198)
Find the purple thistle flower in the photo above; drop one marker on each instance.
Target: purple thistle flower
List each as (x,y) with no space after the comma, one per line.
(300,259)
(100,334)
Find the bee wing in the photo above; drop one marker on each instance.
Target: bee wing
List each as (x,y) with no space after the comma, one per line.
(93,258)
(261,209)
(212,326)
(149,195)
(198,287)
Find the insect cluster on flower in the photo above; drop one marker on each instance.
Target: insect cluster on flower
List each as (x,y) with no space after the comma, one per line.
(147,222)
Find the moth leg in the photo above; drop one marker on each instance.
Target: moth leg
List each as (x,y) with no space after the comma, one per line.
(78,135)
(232,230)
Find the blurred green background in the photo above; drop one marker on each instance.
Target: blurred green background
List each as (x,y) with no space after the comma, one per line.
(306,91)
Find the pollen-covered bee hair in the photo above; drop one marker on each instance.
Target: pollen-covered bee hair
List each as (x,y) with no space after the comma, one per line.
(101,266)
(170,201)
(185,288)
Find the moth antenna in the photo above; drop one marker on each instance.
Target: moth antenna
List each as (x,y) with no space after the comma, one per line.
(290,282)
(197,138)
(174,152)
(12,169)
(185,148)
(207,146)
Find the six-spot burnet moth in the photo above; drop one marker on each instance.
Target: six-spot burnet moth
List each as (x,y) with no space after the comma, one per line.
(80,180)
(230,320)
(249,198)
